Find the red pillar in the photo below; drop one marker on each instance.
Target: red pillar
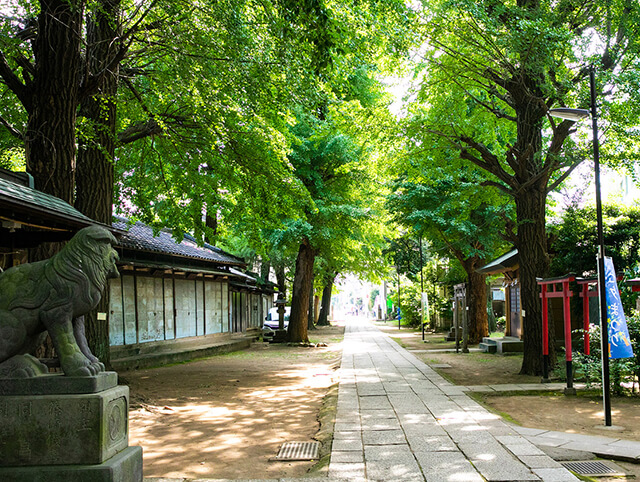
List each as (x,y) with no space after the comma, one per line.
(545,335)
(566,302)
(585,317)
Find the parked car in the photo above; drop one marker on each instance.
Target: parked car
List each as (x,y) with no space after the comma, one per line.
(272,321)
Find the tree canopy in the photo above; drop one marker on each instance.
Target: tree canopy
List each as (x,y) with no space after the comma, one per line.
(266,122)
(491,71)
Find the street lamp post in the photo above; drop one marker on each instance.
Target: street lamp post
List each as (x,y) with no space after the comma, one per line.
(576,115)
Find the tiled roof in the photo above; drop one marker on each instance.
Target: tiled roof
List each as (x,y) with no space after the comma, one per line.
(504,262)
(139,236)
(38,201)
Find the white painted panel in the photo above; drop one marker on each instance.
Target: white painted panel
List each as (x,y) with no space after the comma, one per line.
(128,295)
(116,321)
(156,326)
(168,310)
(150,309)
(199,287)
(185,308)
(213,303)
(225,307)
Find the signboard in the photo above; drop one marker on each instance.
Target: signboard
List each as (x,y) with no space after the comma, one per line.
(619,341)
(424,304)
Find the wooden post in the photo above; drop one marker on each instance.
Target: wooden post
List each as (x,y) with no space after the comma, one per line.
(585,317)
(566,301)
(545,335)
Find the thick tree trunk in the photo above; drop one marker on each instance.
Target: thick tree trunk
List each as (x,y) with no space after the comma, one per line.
(50,139)
(478,319)
(325,305)
(530,200)
(311,312)
(265,269)
(95,168)
(211,222)
(281,279)
(534,262)
(303,278)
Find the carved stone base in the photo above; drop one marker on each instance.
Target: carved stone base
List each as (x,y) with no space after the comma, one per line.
(63,429)
(55,383)
(126,466)
(77,432)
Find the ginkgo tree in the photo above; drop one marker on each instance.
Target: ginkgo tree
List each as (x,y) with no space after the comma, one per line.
(515,60)
(333,168)
(444,204)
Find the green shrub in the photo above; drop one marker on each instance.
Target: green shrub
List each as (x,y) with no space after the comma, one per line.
(621,371)
(410,305)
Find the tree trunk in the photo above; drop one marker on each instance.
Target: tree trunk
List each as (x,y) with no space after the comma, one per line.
(265,269)
(534,262)
(478,326)
(325,306)
(316,305)
(50,139)
(211,222)
(281,279)
(311,311)
(95,168)
(297,331)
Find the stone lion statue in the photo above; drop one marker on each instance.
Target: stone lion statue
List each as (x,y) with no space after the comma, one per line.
(54,295)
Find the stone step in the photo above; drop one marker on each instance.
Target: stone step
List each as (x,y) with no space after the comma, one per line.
(488,347)
(489,341)
(510,345)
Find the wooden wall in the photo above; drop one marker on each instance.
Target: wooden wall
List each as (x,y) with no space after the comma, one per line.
(145,308)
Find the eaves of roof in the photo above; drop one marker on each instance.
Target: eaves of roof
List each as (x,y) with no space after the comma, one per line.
(28,206)
(506,262)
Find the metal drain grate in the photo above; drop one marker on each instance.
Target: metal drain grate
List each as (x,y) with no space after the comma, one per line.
(595,468)
(298,451)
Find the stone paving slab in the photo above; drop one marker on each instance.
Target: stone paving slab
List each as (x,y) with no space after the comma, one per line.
(404,470)
(445,466)
(383,437)
(347,470)
(555,475)
(347,457)
(539,462)
(347,445)
(394,452)
(347,426)
(615,448)
(381,424)
(431,443)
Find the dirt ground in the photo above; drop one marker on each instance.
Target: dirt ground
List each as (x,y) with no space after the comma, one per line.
(227,416)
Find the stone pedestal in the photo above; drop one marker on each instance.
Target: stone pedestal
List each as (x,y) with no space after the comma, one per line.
(280,336)
(57,428)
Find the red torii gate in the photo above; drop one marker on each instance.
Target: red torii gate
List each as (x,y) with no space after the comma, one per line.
(548,290)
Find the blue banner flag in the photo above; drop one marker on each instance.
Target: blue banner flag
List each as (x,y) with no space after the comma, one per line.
(619,341)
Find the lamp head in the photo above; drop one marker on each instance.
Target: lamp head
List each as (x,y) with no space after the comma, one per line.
(569,114)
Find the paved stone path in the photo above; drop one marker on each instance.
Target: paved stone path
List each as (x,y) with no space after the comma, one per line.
(398,420)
